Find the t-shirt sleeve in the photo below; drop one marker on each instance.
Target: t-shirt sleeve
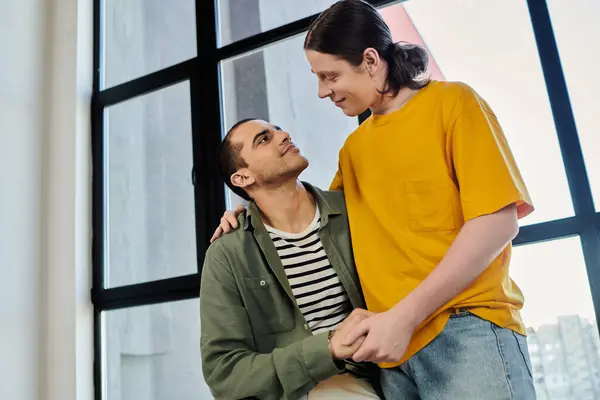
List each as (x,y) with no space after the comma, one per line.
(486,171)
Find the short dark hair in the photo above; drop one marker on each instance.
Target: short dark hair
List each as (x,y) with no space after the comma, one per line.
(349,27)
(229,159)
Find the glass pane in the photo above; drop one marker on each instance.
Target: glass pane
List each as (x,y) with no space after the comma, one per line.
(239,19)
(490,46)
(275,84)
(153,353)
(562,330)
(144,36)
(580,56)
(150,198)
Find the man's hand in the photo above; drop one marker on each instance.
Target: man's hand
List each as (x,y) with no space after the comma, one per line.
(341,351)
(387,337)
(228,223)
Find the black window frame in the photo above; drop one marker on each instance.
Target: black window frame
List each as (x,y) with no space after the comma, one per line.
(209,196)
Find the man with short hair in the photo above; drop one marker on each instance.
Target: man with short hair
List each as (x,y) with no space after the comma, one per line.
(275,295)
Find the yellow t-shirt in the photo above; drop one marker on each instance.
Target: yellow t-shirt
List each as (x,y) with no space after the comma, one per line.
(411,179)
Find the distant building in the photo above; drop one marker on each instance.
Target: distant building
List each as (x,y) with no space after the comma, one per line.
(565,358)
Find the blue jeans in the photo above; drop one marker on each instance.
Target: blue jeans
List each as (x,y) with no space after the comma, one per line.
(472,359)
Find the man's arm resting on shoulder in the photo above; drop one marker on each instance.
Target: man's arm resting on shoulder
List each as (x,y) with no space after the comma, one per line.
(232,367)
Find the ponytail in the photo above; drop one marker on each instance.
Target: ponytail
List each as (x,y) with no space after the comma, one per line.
(406,64)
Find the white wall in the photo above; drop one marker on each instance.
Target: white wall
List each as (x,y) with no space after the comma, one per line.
(21,84)
(45,313)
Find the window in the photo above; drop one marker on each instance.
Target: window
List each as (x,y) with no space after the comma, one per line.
(261,16)
(543,306)
(144,36)
(152,352)
(150,196)
(566,321)
(578,49)
(171,77)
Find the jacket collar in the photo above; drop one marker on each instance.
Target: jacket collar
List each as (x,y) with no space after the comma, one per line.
(326,209)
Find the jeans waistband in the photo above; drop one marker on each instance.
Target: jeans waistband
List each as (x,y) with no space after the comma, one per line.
(458,311)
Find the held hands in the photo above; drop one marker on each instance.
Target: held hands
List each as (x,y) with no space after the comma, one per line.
(378,338)
(228,223)
(340,351)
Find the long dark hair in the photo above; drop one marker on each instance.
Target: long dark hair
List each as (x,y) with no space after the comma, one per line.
(349,27)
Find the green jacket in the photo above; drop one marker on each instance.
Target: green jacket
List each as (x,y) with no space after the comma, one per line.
(255,343)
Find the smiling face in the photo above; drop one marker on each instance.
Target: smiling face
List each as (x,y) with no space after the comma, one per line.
(270,156)
(352,88)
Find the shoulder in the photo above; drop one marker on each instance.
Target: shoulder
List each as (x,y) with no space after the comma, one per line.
(453,91)
(336,197)
(458,98)
(463,96)
(224,250)
(449,88)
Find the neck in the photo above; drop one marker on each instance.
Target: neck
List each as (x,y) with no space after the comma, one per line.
(288,207)
(388,104)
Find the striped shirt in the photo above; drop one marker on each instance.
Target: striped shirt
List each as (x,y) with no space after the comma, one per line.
(315,284)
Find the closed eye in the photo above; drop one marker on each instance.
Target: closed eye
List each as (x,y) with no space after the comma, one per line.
(328,77)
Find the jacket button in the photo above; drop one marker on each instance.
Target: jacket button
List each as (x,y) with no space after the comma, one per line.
(263,283)
(305,327)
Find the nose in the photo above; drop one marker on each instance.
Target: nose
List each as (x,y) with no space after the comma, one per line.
(284,137)
(324,90)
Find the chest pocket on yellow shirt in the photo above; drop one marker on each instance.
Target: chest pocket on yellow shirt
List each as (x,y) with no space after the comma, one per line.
(431,205)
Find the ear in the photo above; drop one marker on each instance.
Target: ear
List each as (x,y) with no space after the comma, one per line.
(242,178)
(371,60)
